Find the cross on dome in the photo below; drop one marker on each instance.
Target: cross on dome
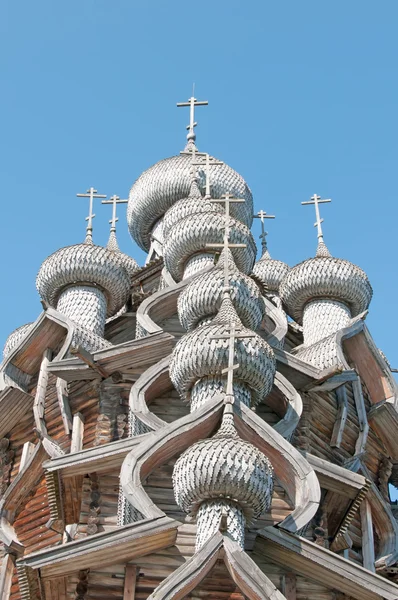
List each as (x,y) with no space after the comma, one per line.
(317,200)
(209,160)
(263,215)
(226,199)
(91,194)
(192,102)
(114,200)
(233,335)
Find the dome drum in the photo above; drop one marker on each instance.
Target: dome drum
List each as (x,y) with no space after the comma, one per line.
(85,305)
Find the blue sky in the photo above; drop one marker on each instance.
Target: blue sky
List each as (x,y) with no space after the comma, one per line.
(302,99)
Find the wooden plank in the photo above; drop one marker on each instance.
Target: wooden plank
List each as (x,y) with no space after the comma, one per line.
(6,573)
(63,403)
(40,398)
(288,585)
(368,549)
(341,419)
(130,580)
(320,565)
(27,450)
(77,433)
(362,417)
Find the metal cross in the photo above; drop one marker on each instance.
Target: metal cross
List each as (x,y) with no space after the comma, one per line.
(263,215)
(316,200)
(208,161)
(114,200)
(226,199)
(229,371)
(192,102)
(91,193)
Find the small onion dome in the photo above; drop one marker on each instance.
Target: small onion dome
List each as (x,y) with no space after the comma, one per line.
(270,272)
(203,296)
(224,466)
(84,264)
(197,354)
(194,203)
(14,338)
(325,277)
(169,180)
(192,234)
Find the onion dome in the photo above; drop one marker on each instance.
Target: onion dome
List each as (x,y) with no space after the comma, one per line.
(270,272)
(168,181)
(197,354)
(185,207)
(203,296)
(227,467)
(325,277)
(84,264)
(191,235)
(14,338)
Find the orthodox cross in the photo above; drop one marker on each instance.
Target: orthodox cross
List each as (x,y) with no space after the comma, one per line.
(91,193)
(226,199)
(233,335)
(209,160)
(263,215)
(192,102)
(114,200)
(316,200)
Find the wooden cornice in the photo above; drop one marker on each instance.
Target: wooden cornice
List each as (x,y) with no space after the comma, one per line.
(107,548)
(132,357)
(323,566)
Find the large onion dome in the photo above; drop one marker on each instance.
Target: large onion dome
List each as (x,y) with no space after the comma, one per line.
(270,272)
(197,355)
(14,338)
(203,296)
(227,467)
(84,264)
(325,277)
(169,180)
(192,234)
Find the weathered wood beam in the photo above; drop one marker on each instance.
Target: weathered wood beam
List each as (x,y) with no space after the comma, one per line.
(40,397)
(77,433)
(288,586)
(337,479)
(333,382)
(64,407)
(130,580)
(322,566)
(14,405)
(105,549)
(362,417)
(6,572)
(88,359)
(368,549)
(341,419)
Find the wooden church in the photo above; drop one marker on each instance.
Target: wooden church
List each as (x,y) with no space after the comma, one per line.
(203,427)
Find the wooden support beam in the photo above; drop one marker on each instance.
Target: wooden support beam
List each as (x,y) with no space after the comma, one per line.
(288,586)
(77,433)
(88,358)
(6,572)
(63,402)
(333,382)
(130,579)
(368,549)
(39,401)
(341,418)
(362,417)
(27,450)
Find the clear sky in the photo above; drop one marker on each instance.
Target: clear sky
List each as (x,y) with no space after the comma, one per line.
(302,99)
